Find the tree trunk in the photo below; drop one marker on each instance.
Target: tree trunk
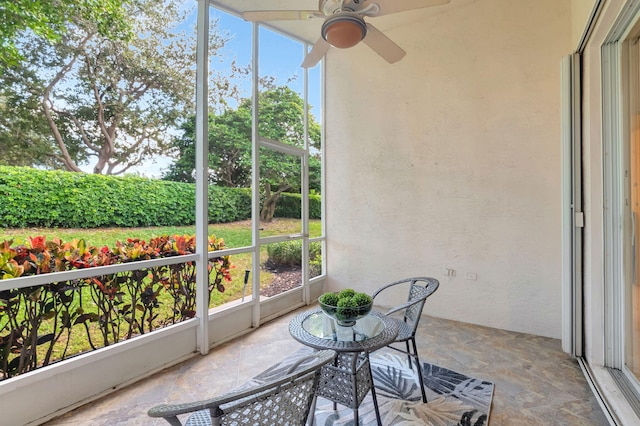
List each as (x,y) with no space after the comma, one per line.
(269,203)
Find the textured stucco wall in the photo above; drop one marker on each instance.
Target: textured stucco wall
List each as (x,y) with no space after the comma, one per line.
(451,159)
(580,13)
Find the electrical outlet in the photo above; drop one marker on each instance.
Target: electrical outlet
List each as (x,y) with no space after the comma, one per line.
(471,276)
(448,272)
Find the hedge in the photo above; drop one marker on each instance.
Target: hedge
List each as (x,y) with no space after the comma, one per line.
(31,197)
(289,205)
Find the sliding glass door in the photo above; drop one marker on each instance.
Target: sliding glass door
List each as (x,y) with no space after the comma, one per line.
(632,223)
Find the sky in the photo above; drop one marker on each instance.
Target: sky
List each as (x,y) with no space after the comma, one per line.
(280,57)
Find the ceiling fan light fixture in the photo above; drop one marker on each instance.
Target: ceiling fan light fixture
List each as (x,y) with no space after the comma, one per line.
(344,31)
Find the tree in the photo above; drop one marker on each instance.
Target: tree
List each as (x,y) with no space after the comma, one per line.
(281,118)
(106,100)
(23,139)
(51,20)
(281,113)
(229,150)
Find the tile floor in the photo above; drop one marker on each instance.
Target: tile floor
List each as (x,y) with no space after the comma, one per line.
(535,382)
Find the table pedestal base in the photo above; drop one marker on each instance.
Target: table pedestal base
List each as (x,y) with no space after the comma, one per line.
(347,382)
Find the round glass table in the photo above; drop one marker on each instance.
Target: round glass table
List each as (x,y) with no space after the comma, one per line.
(349,379)
(315,329)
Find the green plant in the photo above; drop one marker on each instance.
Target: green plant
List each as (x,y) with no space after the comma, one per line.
(33,197)
(345,304)
(289,205)
(289,253)
(330,299)
(348,297)
(346,293)
(68,316)
(361,299)
(38,323)
(347,307)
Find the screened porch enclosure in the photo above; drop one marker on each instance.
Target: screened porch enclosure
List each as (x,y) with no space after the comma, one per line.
(216,308)
(445,164)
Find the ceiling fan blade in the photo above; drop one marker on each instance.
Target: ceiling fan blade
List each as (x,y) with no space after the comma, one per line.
(383,45)
(394,6)
(316,53)
(281,15)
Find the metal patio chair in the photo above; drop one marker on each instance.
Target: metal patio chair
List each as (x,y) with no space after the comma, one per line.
(281,395)
(408,314)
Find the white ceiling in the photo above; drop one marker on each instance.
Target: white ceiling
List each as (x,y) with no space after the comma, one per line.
(304,30)
(309,30)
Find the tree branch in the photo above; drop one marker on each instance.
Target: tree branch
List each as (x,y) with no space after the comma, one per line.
(47,109)
(101,122)
(78,124)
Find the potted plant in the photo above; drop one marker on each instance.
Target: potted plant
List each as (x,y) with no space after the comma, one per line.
(345,306)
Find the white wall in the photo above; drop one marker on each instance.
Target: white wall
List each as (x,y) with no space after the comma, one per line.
(451,159)
(580,13)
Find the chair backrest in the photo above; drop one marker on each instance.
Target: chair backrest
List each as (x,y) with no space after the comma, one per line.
(286,401)
(283,399)
(418,294)
(419,289)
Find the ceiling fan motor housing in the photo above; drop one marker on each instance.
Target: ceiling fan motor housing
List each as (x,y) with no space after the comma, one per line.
(344,30)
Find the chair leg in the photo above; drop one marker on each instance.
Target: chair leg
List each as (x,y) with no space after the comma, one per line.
(409,354)
(419,367)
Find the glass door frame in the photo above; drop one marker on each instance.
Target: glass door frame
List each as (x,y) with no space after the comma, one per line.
(631,108)
(617,106)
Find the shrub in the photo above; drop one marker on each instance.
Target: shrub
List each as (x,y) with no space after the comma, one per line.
(315,259)
(290,205)
(289,254)
(38,322)
(54,198)
(33,197)
(228,204)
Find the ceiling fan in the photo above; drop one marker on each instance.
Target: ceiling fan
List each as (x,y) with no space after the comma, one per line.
(344,24)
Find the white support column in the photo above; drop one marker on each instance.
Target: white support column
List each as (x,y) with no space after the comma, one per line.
(202,166)
(305,189)
(323,166)
(255,179)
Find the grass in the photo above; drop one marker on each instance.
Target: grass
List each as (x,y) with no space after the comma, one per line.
(235,234)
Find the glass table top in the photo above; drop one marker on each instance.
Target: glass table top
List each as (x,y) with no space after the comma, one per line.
(322,326)
(315,329)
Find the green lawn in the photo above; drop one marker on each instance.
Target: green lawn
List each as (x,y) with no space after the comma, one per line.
(236,234)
